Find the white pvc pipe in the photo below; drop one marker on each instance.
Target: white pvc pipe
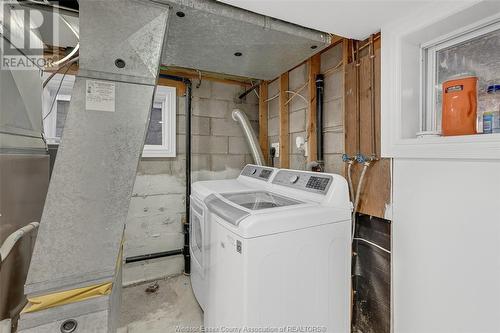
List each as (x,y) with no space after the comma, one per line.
(14,237)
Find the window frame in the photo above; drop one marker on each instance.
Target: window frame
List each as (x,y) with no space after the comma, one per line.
(165,97)
(50,123)
(429,51)
(401,82)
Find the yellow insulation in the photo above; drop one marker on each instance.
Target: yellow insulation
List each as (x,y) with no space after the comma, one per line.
(65,297)
(74,295)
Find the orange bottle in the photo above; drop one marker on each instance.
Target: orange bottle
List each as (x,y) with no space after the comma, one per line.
(459,116)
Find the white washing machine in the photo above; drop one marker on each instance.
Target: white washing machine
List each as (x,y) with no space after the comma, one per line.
(281,257)
(251,177)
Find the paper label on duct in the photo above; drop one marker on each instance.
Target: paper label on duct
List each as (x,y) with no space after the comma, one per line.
(100,96)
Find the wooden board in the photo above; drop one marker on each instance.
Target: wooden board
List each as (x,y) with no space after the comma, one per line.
(350,128)
(365,118)
(263,118)
(180,87)
(284,122)
(345,51)
(194,75)
(375,194)
(314,67)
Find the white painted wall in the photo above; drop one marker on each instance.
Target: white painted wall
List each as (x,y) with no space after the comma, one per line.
(446,246)
(347,18)
(446,193)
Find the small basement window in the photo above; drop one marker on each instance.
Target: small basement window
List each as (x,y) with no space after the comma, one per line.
(160,137)
(55,100)
(472,52)
(444,42)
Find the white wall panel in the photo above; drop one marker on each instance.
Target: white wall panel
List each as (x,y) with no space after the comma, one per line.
(446,246)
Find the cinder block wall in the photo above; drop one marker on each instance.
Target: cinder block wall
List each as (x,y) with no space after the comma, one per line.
(333,125)
(219,151)
(333,116)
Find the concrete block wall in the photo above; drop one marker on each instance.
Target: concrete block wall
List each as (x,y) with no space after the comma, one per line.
(218,146)
(333,126)
(219,151)
(333,116)
(299,111)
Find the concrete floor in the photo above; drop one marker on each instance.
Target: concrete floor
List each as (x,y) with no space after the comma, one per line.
(171,307)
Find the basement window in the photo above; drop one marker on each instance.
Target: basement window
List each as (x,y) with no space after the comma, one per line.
(160,137)
(55,105)
(469,52)
(421,52)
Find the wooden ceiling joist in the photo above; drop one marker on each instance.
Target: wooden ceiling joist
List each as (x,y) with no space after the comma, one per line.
(194,75)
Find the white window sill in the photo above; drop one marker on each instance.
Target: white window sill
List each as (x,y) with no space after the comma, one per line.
(401,82)
(480,146)
(158,154)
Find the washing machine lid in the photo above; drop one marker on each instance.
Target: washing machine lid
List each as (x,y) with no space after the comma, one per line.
(252,177)
(203,189)
(234,207)
(258,200)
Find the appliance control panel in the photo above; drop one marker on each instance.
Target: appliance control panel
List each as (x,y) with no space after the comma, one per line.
(257,172)
(306,181)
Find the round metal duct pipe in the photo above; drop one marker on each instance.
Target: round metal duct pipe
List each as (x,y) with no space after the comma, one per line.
(240,117)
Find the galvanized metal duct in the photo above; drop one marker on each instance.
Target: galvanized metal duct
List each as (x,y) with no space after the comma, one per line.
(93,177)
(212,36)
(250,137)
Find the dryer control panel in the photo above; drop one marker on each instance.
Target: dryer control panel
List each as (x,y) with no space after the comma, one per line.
(306,181)
(257,172)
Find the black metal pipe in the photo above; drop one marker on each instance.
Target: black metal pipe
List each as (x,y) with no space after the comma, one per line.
(320,84)
(249,90)
(189,90)
(187,257)
(154,255)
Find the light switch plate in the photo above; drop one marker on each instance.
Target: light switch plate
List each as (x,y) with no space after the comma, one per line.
(276,146)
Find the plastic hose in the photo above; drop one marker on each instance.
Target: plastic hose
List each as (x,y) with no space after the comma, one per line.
(357,197)
(14,237)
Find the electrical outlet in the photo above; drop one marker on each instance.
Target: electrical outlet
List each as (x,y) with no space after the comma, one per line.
(276,146)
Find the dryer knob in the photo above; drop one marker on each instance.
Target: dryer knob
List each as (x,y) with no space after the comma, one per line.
(294,179)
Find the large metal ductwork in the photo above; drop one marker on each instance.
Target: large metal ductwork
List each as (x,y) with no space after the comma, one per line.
(250,137)
(79,245)
(216,37)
